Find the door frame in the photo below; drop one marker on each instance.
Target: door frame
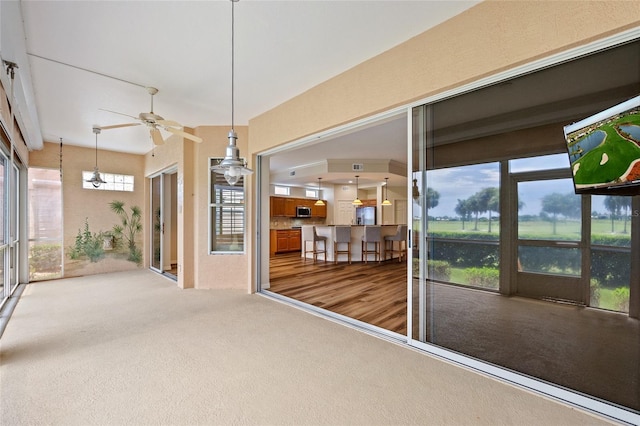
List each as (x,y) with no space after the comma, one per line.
(166,202)
(546,285)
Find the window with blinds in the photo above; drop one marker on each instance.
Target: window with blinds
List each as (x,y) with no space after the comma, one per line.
(227,214)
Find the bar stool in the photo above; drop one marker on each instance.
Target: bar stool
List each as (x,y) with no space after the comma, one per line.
(315,239)
(401,237)
(372,235)
(342,236)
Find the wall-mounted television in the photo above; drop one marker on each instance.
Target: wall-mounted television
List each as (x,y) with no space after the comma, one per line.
(604,150)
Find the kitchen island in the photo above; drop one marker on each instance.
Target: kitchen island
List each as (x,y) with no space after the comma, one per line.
(357,232)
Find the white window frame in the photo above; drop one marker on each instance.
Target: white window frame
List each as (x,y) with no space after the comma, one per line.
(235,206)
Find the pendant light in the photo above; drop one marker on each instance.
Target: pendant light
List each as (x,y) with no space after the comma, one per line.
(96,180)
(415,190)
(319,202)
(357,201)
(232,166)
(386,201)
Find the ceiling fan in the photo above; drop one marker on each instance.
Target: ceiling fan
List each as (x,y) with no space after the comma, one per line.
(154,122)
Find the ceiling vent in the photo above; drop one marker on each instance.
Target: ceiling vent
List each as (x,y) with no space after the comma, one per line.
(357,167)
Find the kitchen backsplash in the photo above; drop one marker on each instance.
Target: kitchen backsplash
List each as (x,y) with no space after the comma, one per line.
(292,222)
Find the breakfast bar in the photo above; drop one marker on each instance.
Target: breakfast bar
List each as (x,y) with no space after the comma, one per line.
(357,232)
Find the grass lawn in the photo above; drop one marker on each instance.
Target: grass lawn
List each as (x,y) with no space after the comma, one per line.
(565,229)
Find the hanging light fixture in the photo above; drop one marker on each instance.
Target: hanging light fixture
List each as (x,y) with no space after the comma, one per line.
(96,180)
(232,166)
(319,202)
(357,201)
(386,201)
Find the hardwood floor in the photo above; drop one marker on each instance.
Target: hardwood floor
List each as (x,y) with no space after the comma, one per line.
(373,293)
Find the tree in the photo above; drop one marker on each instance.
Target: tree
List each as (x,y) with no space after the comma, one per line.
(618,205)
(613,205)
(432,197)
(463,210)
(625,205)
(490,201)
(475,207)
(560,204)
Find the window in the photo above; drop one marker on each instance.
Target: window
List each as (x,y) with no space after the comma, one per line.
(113,182)
(227,214)
(281,190)
(311,193)
(45,224)
(464,224)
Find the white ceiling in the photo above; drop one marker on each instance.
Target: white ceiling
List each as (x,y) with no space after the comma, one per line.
(183,48)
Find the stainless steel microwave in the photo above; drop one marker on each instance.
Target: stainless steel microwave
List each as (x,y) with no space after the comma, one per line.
(302,211)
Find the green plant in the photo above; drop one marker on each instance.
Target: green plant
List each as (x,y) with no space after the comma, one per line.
(621,295)
(439,270)
(595,292)
(483,277)
(131,226)
(87,244)
(44,258)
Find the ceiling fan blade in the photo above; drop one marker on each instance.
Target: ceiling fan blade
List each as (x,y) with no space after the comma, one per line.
(117,126)
(184,134)
(169,123)
(119,113)
(157,137)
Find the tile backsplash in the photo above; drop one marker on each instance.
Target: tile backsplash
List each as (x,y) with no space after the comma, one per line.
(291,222)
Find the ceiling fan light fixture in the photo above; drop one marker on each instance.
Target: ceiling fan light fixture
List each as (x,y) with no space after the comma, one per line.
(232,166)
(386,201)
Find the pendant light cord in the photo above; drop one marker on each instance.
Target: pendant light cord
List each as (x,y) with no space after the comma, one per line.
(96,149)
(233,2)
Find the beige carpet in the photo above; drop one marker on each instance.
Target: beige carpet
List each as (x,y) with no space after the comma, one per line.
(132,349)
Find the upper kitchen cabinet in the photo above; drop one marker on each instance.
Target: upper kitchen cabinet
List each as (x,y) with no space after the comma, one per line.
(277,206)
(286,207)
(319,211)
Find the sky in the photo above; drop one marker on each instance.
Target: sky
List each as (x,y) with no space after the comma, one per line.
(462,182)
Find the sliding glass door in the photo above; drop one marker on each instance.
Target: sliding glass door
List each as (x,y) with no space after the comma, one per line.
(164,225)
(509,264)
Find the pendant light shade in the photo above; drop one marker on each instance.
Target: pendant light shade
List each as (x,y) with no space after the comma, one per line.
(232,166)
(357,201)
(386,201)
(319,202)
(415,190)
(96,180)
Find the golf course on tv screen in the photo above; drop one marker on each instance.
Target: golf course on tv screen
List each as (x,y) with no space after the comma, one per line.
(604,150)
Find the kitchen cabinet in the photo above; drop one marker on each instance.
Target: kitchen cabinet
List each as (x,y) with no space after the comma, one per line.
(290,207)
(286,207)
(277,206)
(319,211)
(285,240)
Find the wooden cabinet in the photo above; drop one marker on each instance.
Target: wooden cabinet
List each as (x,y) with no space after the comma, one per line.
(290,207)
(319,211)
(277,206)
(286,206)
(285,240)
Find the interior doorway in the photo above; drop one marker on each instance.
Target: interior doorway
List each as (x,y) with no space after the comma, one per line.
(164,215)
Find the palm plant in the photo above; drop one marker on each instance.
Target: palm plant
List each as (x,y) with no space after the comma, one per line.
(131,226)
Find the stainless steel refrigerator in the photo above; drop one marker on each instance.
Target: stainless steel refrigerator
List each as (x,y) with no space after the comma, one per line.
(365,215)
